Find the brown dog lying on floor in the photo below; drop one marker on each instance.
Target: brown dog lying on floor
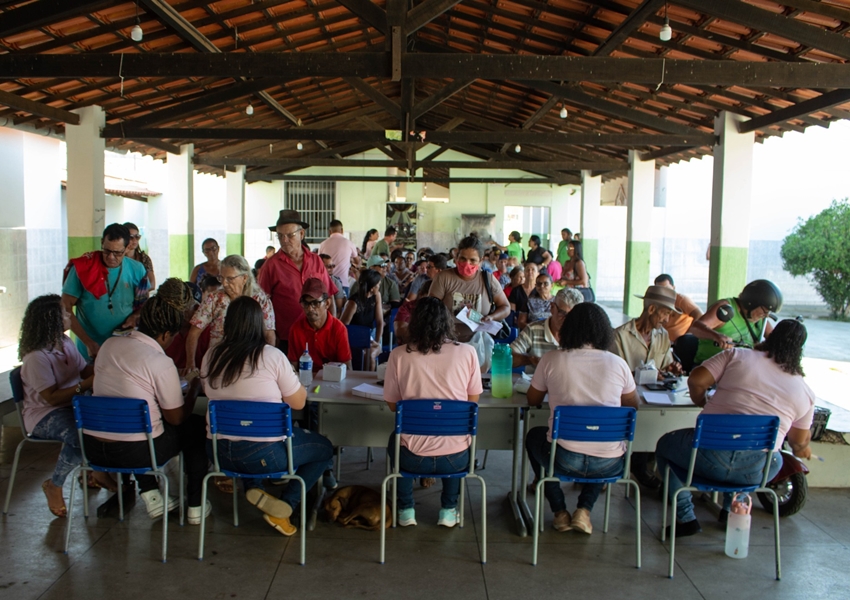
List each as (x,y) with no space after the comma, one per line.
(356,506)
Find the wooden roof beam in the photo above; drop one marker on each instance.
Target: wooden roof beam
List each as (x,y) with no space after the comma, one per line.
(47,12)
(377,97)
(369,12)
(37,108)
(425,12)
(796,111)
(628,26)
(440,96)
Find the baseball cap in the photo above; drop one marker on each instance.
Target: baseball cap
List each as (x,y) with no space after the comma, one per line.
(375,261)
(314,288)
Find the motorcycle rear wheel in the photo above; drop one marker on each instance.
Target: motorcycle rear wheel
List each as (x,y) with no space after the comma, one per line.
(792,494)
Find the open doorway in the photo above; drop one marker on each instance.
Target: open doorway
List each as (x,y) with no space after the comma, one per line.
(528,220)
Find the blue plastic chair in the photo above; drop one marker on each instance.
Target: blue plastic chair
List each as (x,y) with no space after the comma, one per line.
(435,417)
(360,342)
(391,328)
(104,414)
(591,424)
(18,396)
(724,432)
(254,420)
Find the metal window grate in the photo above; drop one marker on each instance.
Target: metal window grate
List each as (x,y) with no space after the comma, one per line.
(316,201)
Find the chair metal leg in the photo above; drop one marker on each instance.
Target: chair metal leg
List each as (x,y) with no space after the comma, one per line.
(665,491)
(607,507)
(12,477)
(368,458)
(462,502)
(483,520)
(538,502)
(203,515)
(673,504)
(630,483)
(73,476)
(85,494)
(180,483)
(166,498)
(775,530)
(339,464)
(120,497)
(235,506)
(484,462)
(303,518)
(384,516)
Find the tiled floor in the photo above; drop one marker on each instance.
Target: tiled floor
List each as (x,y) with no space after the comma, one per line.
(112,559)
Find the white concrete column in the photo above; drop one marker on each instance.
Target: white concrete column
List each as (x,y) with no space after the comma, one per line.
(171,216)
(638,231)
(235,199)
(731,199)
(86,198)
(591,195)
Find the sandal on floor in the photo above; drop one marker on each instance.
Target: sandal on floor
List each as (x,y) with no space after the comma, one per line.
(58,511)
(224,484)
(91,482)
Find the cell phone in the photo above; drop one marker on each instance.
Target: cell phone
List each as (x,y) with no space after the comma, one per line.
(656,387)
(475,316)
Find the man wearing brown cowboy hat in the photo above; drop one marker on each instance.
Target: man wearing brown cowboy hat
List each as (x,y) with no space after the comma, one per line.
(645,338)
(283,275)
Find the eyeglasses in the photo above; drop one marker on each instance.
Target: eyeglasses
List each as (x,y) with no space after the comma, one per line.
(315,304)
(211,249)
(137,237)
(229,279)
(329,267)
(114,253)
(289,236)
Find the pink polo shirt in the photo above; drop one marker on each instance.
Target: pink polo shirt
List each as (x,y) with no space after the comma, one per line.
(413,376)
(750,383)
(341,250)
(43,369)
(282,281)
(136,366)
(272,380)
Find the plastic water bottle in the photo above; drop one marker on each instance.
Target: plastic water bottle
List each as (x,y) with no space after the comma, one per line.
(738,526)
(501,372)
(305,367)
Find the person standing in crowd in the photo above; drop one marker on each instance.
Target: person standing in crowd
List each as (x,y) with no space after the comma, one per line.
(342,251)
(387,244)
(432,348)
(340,297)
(244,367)
(465,287)
(133,251)
(368,243)
(575,272)
(581,373)
(106,288)
(561,255)
(236,281)
(211,266)
(284,274)
(537,253)
(53,372)
(679,323)
(543,336)
(520,295)
(514,247)
(324,334)
(261,261)
(135,366)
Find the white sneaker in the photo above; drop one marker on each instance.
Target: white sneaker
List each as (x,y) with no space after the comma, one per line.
(193,515)
(448,517)
(155,503)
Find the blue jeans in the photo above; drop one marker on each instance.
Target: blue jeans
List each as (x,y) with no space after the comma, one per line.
(312,454)
(742,468)
(59,425)
(428,465)
(571,464)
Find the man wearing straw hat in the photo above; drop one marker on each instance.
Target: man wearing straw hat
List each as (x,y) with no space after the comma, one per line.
(643,339)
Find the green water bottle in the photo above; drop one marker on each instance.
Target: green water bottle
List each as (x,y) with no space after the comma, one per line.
(501,371)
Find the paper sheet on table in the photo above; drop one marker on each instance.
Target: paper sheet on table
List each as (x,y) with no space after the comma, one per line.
(491,327)
(657,398)
(367,390)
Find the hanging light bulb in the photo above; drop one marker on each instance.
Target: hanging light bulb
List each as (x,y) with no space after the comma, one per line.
(299,145)
(136,33)
(249,110)
(563,112)
(517,148)
(666,31)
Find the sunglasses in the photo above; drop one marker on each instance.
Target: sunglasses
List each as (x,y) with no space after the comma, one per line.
(115,253)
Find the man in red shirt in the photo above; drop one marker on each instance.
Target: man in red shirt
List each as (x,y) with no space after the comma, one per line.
(324,335)
(284,274)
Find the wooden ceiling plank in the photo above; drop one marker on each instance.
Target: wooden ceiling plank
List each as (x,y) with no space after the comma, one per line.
(369,12)
(628,26)
(443,94)
(47,12)
(39,109)
(766,21)
(823,101)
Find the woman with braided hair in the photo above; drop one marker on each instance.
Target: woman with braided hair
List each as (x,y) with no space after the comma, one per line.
(136,366)
(53,372)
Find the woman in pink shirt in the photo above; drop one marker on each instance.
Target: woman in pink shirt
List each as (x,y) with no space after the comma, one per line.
(767,380)
(583,372)
(53,373)
(245,367)
(432,349)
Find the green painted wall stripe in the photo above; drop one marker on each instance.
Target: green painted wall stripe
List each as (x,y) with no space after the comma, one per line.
(178,256)
(727,272)
(637,276)
(236,244)
(590,252)
(77,246)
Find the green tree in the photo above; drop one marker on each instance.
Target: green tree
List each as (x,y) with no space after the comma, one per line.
(820,249)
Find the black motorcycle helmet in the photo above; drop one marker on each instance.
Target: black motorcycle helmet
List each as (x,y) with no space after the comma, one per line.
(761,292)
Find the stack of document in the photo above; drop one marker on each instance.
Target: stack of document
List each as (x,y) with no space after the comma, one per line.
(367,390)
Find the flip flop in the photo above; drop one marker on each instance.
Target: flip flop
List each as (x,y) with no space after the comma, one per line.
(62,511)
(91,482)
(224,484)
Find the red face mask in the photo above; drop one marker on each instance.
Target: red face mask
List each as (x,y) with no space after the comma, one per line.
(467,269)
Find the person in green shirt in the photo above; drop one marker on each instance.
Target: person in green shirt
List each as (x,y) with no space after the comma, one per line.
(385,245)
(566,236)
(514,248)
